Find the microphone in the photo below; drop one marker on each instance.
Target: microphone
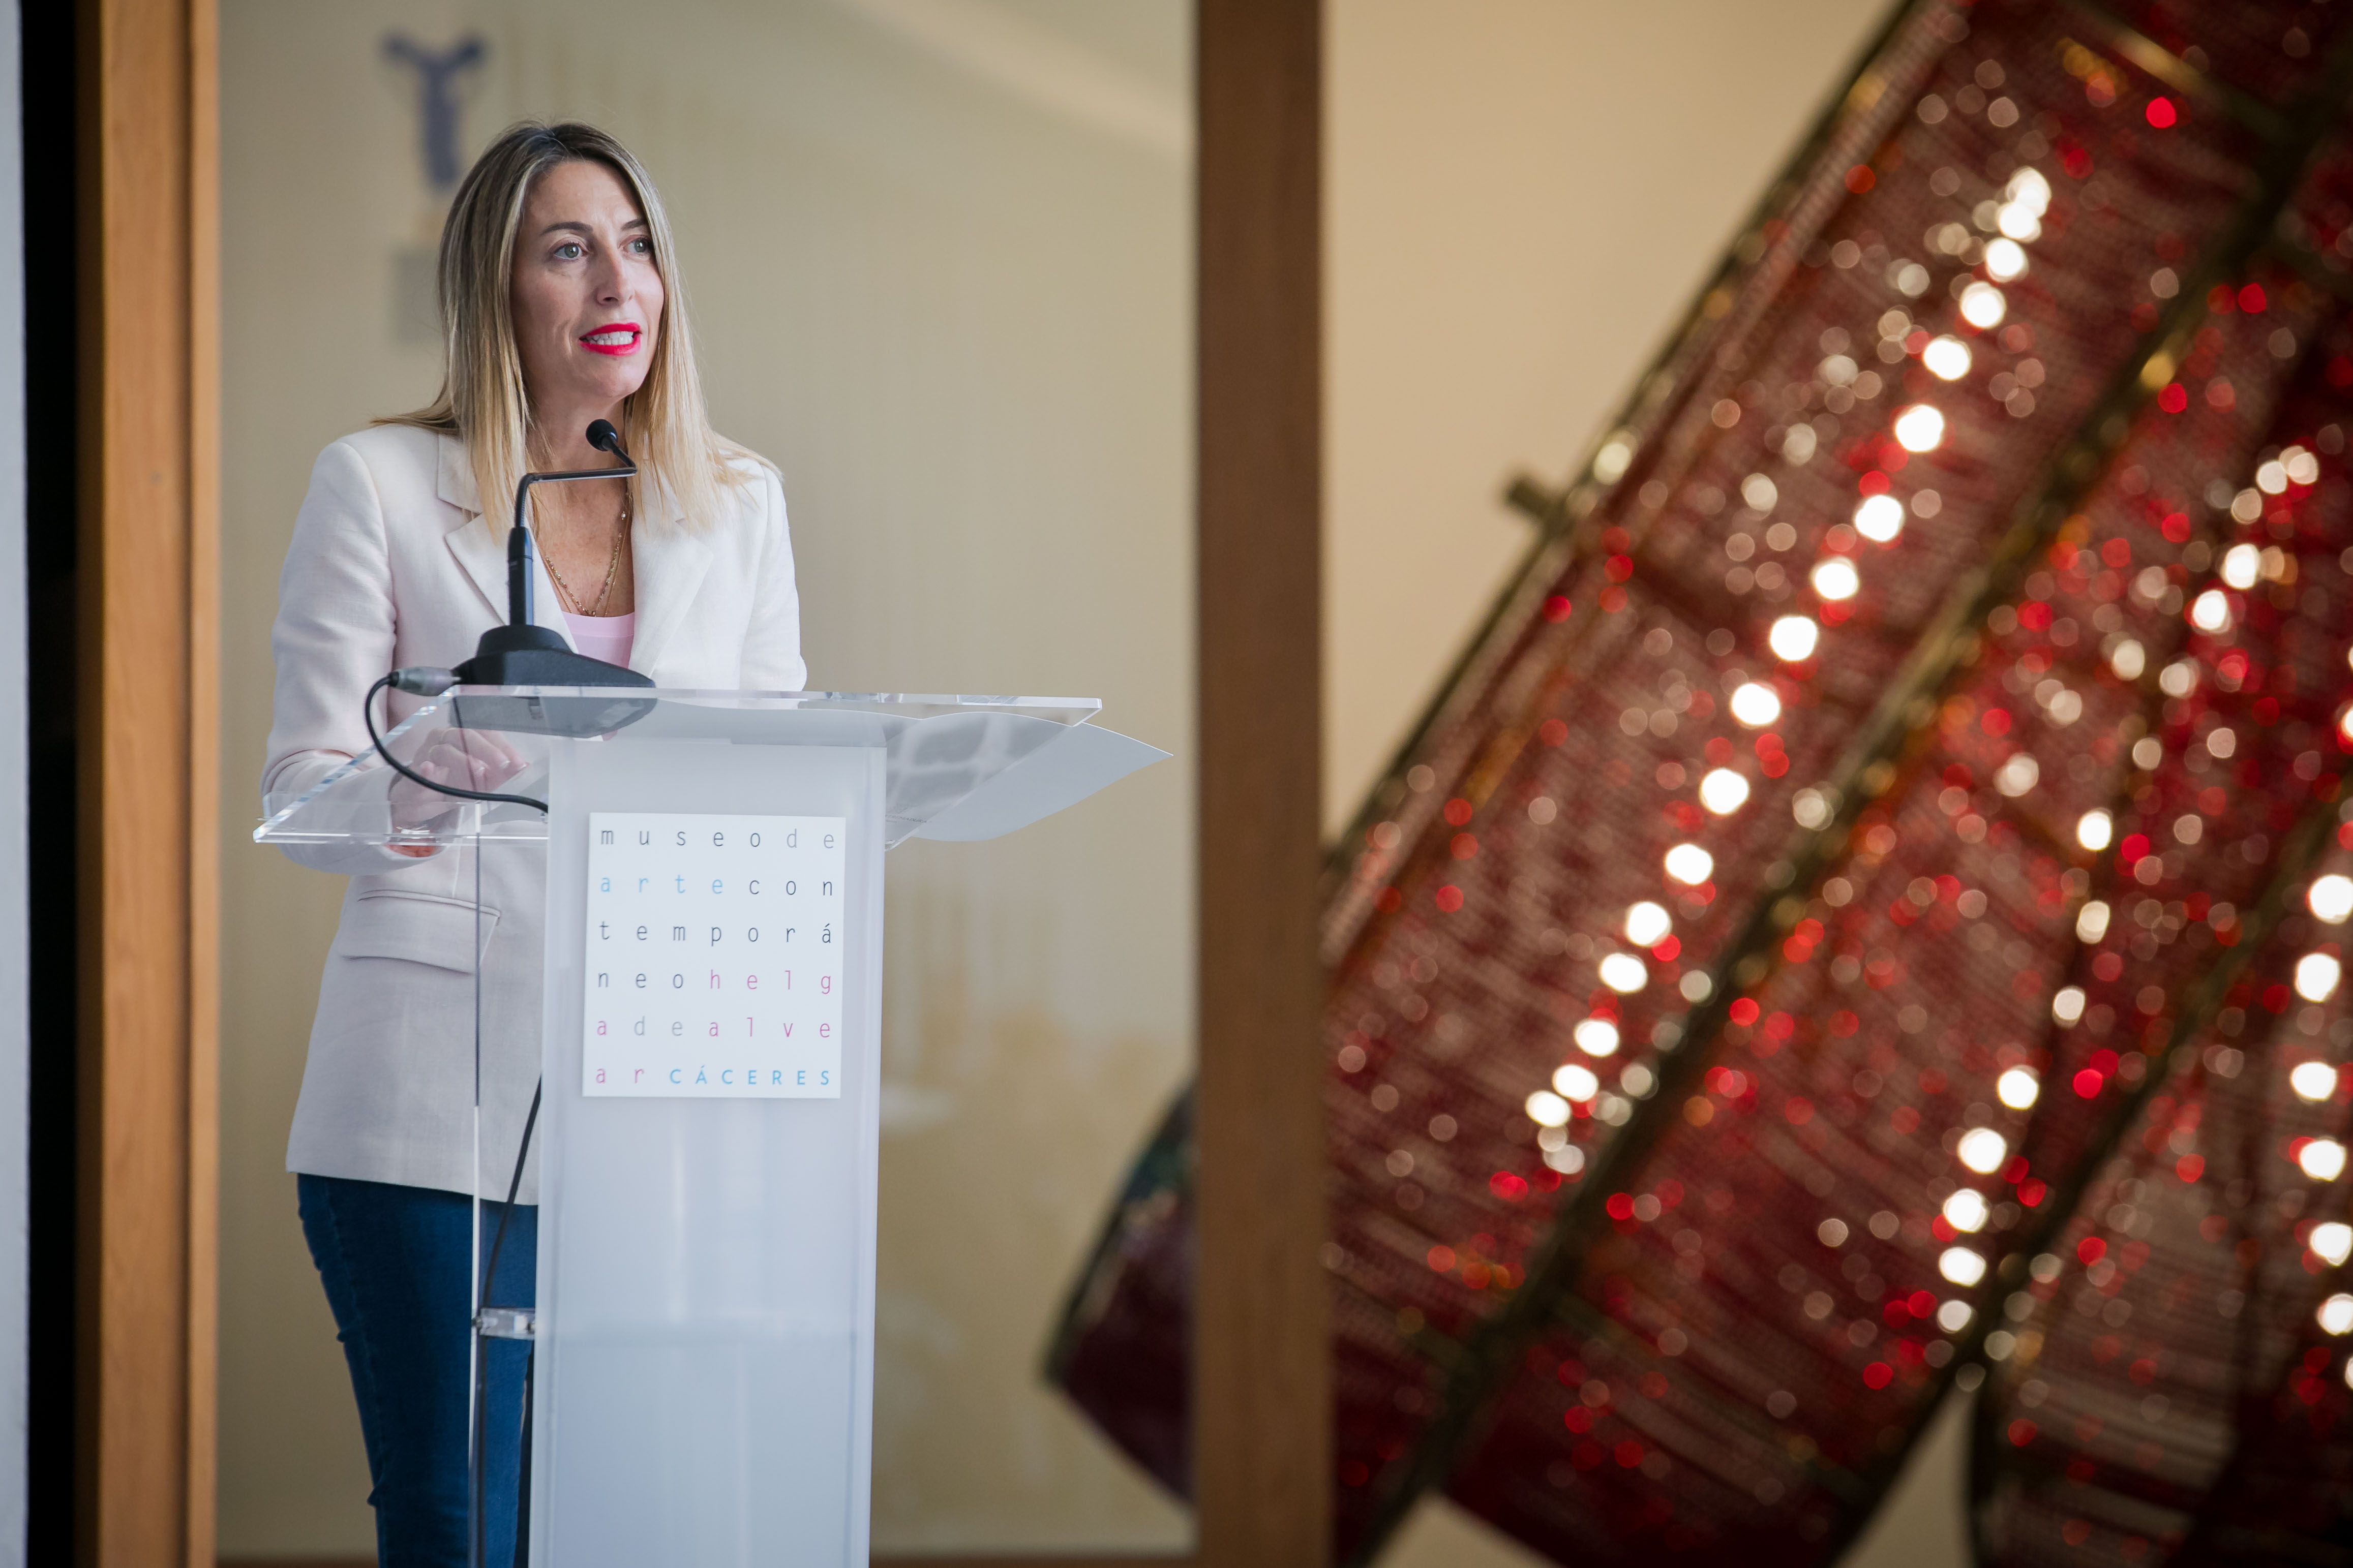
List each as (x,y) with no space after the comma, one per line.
(518,583)
(522,654)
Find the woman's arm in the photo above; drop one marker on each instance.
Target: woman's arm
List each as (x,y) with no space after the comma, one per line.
(772,647)
(332,637)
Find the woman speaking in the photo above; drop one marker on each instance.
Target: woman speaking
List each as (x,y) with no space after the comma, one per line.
(561,304)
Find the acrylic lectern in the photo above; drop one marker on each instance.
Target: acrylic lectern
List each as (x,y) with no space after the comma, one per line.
(703,1343)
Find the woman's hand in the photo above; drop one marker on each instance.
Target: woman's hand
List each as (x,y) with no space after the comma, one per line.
(468,759)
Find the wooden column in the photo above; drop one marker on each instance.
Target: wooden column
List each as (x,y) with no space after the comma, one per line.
(144,1415)
(1263,1375)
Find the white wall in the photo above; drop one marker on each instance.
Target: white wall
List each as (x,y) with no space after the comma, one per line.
(939,252)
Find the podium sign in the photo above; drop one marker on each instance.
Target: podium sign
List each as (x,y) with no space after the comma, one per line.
(711,1040)
(712,957)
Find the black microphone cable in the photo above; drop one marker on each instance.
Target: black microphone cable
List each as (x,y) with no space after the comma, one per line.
(420,680)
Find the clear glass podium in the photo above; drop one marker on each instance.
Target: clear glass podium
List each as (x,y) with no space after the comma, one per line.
(702,1347)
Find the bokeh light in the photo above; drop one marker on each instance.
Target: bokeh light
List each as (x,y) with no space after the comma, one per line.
(1689,864)
(1792,638)
(1946,357)
(1961,1266)
(1879,519)
(1755,704)
(1920,428)
(2315,976)
(1982,1150)
(1982,306)
(1647,923)
(1624,973)
(1966,1209)
(1575,1083)
(1546,1109)
(1723,791)
(2313,1081)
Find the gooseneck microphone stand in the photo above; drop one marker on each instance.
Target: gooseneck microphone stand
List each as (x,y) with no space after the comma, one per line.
(522,654)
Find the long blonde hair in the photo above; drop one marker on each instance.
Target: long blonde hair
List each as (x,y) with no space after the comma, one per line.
(483,401)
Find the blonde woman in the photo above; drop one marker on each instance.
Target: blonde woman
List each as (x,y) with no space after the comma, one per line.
(562,304)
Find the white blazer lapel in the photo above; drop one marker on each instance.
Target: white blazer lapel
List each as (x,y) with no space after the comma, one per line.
(670,564)
(484,557)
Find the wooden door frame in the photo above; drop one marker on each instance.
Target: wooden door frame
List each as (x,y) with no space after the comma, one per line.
(148,384)
(147,724)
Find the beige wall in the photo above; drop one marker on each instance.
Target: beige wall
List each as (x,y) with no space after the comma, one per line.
(939,250)
(940,255)
(1522,195)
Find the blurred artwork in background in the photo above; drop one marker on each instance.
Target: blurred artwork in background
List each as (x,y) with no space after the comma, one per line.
(437,77)
(1865,916)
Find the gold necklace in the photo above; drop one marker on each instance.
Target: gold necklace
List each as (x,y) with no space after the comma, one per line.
(612,568)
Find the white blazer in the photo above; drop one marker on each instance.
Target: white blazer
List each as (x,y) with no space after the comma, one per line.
(393,564)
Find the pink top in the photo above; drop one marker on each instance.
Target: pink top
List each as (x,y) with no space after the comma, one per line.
(603,637)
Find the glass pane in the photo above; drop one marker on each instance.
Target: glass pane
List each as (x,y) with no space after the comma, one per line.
(940,260)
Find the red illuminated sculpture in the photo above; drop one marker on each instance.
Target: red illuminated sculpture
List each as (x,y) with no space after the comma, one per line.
(1864,917)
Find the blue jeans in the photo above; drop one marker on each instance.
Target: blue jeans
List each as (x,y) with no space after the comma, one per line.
(393,1260)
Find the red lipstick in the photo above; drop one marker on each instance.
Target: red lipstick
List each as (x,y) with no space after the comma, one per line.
(614,338)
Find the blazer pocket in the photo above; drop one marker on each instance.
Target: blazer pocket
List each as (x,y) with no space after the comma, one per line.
(422,928)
